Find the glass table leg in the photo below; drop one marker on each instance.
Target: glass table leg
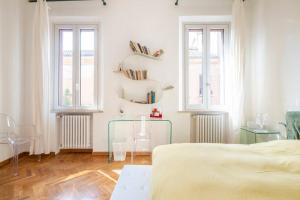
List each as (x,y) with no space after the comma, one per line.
(109,157)
(131,153)
(39,157)
(15,160)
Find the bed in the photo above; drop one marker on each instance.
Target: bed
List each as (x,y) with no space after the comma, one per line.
(265,171)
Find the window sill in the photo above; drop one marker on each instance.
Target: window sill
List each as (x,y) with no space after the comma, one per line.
(220,110)
(71,111)
(197,112)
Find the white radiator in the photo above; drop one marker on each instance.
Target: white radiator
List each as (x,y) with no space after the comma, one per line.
(75,132)
(210,128)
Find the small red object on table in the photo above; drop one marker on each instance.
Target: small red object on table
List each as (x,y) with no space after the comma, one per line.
(156,114)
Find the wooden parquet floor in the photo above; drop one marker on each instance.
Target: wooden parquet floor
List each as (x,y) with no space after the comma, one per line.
(70,176)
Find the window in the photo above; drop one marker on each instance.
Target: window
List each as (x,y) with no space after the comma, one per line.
(76,59)
(205,55)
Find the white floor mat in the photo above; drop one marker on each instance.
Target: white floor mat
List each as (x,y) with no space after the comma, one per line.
(133,183)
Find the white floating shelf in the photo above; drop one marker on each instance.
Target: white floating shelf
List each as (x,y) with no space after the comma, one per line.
(147,56)
(137,102)
(135,93)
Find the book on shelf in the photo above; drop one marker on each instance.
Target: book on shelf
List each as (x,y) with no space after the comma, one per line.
(138,75)
(151,97)
(128,73)
(132,46)
(145,50)
(137,47)
(140,47)
(133,74)
(125,73)
(148,98)
(148,50)
(144,74)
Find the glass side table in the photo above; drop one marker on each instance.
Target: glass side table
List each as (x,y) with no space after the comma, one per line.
(128,119)
(251,136)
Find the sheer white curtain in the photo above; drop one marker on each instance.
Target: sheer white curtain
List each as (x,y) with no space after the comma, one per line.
(236,74)
(41,79)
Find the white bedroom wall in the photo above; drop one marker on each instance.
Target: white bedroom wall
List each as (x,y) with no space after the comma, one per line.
(11,63)
(273,67)
(154,23)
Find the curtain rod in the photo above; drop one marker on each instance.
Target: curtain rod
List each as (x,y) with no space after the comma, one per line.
(103,1)
(32,1)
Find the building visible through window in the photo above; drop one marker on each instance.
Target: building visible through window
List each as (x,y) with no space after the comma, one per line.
(76,66)
(205,52)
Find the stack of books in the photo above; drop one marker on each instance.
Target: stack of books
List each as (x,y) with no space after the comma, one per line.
(151,97)
(134,74)
(137,47)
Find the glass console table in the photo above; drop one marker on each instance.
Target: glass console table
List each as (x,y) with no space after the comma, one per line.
(250,135)
(142,120)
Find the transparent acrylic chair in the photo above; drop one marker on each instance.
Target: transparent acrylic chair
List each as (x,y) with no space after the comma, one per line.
(141,139)
(9,135)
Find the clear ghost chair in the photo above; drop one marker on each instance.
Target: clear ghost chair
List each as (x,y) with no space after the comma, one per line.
(9,135)
(141,139)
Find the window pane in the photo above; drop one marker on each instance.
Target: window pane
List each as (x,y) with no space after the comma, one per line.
(195,69)
(216,70)
(87,67)
(66,69)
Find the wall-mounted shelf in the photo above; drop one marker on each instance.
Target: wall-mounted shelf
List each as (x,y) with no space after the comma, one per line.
(139,98)
(147,56)
(145,91)
(142,50)
(137,102)
(142,92)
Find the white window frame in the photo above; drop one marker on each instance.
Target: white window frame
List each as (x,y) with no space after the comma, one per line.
(57,95)
(185,66)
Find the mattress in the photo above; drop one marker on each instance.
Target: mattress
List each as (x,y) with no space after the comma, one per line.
(265,171)
(133,183)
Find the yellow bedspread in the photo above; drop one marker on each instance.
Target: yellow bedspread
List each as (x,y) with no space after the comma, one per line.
(265,171)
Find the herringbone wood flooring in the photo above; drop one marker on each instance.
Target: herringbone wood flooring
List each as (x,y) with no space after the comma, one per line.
(63,177)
